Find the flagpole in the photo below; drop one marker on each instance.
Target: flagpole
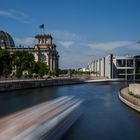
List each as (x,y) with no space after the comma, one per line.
(44,30)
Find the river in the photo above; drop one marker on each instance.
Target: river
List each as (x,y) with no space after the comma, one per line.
(104,116)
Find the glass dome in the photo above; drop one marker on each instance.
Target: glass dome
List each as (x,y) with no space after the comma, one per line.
(6,40)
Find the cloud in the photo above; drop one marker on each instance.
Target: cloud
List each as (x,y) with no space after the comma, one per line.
(135,47)
(16,15)
(109,46)
(72,47)
(66,35)
(95,49)
(66,44)
(27,41)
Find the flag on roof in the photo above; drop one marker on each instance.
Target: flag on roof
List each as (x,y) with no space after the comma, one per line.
(41,26)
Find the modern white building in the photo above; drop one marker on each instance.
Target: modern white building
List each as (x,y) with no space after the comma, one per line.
(122,67)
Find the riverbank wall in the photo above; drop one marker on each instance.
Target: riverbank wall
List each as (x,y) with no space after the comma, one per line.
(36,83)
(9,85)
(128,97)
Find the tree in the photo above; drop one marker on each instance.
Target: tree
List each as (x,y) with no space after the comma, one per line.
(40,68)
(7,70)
(21,61)
(18,72)
(63,71)
(5,63)
(27,61)
(24,61)
(53,73)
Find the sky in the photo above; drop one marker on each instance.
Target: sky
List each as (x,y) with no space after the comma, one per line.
(83,30)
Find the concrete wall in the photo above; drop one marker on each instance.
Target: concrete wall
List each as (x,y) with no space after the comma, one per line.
(108,65)
(129,100)
(134,89)
(102,67)
(16,85)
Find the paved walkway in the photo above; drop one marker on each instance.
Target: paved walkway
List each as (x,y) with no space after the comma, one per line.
(103,80)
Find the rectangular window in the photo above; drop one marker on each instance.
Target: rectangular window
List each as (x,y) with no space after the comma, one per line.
(121,76)
(121,71)
(130,63)
(121,63)
(130,71)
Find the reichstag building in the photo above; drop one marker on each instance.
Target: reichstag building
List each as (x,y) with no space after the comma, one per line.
(43,50)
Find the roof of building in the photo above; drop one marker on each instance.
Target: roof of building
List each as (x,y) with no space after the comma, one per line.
(127,56)
(43,36)
(6,39)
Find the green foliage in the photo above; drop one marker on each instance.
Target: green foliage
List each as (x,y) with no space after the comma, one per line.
(5,63)
(18,72)
(40,68)
(30,75)
(64,71)
(6,71)
(72,71)
(23,59)
(52,73)
(35,75)
(79,72)
(30,72)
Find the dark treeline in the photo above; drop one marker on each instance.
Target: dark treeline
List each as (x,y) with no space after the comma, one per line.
(72,71)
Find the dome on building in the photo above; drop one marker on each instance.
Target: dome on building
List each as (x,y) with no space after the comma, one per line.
(6,40)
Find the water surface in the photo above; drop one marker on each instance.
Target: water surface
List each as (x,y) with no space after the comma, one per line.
(104,116)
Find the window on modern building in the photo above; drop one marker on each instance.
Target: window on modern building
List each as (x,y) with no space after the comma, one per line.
(121,76)
(121,63)
(130,71)
(121,71)
(130,63)
(130,77)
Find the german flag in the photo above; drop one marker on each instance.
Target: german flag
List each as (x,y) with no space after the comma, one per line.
(41,26)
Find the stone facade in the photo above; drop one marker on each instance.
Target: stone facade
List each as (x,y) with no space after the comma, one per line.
(44,49)
(134,89)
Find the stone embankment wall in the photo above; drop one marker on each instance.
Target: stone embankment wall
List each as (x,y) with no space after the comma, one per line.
(129,98)
(24,84)
(134,89)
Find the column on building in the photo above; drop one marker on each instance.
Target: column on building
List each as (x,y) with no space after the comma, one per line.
(48,60)
(51,62)
(99,67)
(108,66)
(54,62)
(134,66)
(102,67)
(125,69)
(96,67)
